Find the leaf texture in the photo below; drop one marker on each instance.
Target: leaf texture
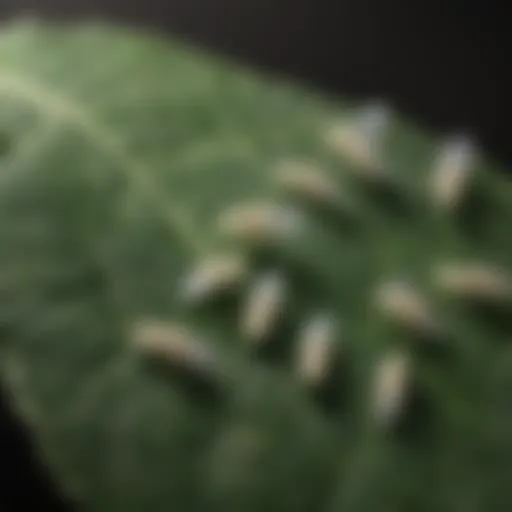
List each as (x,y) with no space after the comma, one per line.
(118,150)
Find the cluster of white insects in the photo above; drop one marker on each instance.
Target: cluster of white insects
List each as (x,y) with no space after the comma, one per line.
(360,143)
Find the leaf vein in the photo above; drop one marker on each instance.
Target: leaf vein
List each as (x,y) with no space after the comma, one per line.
(59,105)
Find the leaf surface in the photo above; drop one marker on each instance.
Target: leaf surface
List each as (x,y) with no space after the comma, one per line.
(118,150)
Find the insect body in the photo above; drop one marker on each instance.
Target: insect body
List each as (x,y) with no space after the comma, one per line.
(399,301)
(474,281)
(390,388)
(212,276)
(359,141)
(260,222)
(173,343)
(316,346)
(451,173)
(307,182)
(263,307)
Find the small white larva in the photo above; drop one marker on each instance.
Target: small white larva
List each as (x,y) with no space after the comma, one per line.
(451,173)
(357,148)
(214,275)
(308,182)
(264,306)
(260,222)
(402,303)
(478,281)
(390,388)
(315,349)
(173,343)
(360,141)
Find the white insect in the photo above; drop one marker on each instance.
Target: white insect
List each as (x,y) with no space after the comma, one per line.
(451,173)
(399,301)
(360,141)
(307,181)
(315,349)
(173,343)
(260,222)
(390,388)
(474,281)
(264,306)
(214,275)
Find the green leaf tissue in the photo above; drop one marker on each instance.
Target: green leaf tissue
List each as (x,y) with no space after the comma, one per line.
(220,291)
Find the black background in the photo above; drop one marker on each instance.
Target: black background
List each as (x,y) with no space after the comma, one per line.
(444,63)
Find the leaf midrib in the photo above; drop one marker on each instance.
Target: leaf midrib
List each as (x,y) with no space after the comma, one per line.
(57,103)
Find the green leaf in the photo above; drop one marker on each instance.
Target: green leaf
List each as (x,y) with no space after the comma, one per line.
(118,151)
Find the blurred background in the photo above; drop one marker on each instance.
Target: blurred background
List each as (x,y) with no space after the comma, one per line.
(445,64)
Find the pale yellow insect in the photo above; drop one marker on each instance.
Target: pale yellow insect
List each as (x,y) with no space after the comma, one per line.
(399,301)
(264,306)
(473,281)
(390,388)
(360,141)
(260,221)
(173,343)
(315,349)
(451,173)
(307,181)
(214,275)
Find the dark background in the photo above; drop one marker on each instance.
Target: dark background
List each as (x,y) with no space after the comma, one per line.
(443,63)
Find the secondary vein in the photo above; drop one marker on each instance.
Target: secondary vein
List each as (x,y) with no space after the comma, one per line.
(59,105)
